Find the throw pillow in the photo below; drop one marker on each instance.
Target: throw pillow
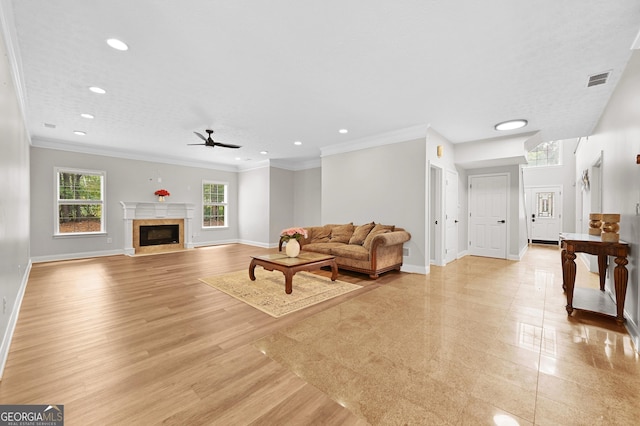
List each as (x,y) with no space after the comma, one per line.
(360,233)
(342,233)
(377,230)
(320,234)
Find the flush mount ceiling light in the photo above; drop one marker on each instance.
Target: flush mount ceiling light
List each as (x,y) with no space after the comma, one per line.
(117,44)
(297,143)
(89,116)
(98,90)
(511,124)
(343,131)
(79,132)
(263,152)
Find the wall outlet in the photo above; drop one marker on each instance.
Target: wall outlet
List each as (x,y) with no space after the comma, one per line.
(109,240)
(405,251)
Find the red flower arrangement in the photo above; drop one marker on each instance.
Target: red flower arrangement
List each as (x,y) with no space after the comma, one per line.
(162,193)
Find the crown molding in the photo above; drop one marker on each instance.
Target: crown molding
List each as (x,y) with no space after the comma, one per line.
(61,145)
(387,138)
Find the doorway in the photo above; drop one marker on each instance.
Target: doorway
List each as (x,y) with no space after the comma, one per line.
(488,215)
(544,208)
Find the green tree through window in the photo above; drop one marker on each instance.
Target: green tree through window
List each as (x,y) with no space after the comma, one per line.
(214,204)
(80,201)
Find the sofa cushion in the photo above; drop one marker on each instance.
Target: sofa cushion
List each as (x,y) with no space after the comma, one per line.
(342,233)
(377,230)
(351,251)
(320,234)
(360,233)
(324,248)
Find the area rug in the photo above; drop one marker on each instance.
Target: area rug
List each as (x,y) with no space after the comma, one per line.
(267,294)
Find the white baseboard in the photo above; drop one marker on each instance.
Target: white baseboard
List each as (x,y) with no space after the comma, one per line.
(71,256)
(463,253)
(634,332)
(415,269)
(13,320)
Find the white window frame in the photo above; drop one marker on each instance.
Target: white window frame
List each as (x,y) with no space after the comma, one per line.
(560,147)
(225,203)
(58,202)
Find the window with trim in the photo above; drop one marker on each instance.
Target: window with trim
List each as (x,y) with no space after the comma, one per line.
(545,154)
(214,204)
(79,201)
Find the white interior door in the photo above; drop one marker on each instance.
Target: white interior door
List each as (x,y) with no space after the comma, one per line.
(488,215)
(451,216)
(544,206)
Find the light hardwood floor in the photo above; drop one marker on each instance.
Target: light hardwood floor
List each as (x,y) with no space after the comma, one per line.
(139,340)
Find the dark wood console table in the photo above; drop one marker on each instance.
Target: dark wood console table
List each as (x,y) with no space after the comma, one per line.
(590,299)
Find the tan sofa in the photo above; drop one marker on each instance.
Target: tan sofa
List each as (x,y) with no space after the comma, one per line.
(370,248)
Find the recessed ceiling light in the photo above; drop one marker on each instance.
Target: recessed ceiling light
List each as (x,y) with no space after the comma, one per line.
(238,158)
(297,143)
(79,132)
(117,44)
(264,152)
(343,131)
(99,90)
(87,116)
(511,124)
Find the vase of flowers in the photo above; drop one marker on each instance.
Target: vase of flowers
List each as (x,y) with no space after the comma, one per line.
(292,237)
(161,193)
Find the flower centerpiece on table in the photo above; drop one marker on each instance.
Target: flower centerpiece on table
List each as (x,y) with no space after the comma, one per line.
(293,234)
(161,193)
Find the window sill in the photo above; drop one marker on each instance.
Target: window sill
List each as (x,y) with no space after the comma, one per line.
(213,228)
(81,234)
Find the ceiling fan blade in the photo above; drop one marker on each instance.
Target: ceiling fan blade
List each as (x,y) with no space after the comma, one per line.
(196,144)
(200,136)
(226,145)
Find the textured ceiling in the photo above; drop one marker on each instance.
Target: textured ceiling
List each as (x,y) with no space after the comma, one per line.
(265,74)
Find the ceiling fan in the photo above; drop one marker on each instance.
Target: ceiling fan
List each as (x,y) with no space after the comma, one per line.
(208,141)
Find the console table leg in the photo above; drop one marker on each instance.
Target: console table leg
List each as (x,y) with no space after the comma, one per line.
(563,253)
(569,278)
(602,269)
(620,277)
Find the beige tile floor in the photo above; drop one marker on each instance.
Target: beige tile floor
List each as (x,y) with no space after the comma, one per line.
(480,341)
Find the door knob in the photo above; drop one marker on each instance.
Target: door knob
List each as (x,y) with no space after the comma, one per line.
(456,221)
(502,221)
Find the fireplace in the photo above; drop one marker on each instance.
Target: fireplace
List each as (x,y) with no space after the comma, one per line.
(158,235)
(139,215)
(153,235)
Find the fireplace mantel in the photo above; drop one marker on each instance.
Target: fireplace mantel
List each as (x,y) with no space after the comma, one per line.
(134,210)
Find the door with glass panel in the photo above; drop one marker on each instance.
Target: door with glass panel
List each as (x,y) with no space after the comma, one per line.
(544,208)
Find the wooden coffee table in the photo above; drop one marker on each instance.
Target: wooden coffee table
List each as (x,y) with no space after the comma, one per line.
(290,265)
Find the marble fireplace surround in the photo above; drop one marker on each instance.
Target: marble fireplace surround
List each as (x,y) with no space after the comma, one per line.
(137,214)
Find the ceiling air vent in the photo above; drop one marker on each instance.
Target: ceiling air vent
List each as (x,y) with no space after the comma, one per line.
(598,79)
(49,125)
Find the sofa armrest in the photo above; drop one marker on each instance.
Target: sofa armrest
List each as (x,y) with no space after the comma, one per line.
(390,239)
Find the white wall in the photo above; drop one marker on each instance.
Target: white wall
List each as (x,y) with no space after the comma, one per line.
(617,135)
(559,175)
(14,206)
(385,184)
(253,204)
(127,180)
(281,202)
(307,189)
